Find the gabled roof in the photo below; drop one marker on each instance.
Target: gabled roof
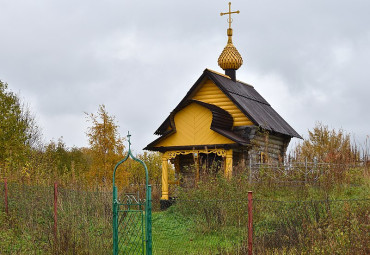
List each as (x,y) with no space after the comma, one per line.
(246,98)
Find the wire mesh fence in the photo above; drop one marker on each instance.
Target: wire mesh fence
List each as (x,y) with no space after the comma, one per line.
(84,221)
(188,227)
(279,227)
(311,227)
(301,173)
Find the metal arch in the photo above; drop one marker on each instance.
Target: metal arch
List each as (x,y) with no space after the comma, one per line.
(129,154)
(148,205)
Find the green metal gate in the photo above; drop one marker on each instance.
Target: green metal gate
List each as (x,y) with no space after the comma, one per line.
(132,217)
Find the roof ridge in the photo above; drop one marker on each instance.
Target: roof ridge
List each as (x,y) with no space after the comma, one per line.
(215,72)
(244,83)
(228,77)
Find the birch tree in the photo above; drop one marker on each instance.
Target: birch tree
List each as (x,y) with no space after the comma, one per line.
(106,144)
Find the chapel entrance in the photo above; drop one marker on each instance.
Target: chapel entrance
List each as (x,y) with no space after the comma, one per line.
(194,167)
(190,165)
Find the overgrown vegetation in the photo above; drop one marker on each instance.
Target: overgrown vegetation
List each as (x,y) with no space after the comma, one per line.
(83,221)
(211,219)
(329,146)
(302,219)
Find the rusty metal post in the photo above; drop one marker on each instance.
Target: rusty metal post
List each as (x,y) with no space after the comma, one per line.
(55,210)
(250,223)
(6,196)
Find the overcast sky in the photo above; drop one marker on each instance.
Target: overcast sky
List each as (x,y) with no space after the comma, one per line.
(308,58)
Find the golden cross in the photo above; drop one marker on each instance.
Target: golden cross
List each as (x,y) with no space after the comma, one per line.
(230,20)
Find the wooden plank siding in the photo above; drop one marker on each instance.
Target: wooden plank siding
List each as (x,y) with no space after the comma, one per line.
(193,128)
(211,94)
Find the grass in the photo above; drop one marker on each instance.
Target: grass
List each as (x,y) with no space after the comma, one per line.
(14,240)
(174,234)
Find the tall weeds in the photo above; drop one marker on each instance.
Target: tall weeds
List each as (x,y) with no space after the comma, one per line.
(288,219)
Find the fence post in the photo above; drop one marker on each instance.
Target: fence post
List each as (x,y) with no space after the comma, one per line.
(250,223)
(6,196)
(55,211)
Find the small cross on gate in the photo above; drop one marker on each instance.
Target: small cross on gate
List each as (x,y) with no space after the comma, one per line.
(129,141)
(230,20)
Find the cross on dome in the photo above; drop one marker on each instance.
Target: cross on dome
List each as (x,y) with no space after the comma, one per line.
(230,20)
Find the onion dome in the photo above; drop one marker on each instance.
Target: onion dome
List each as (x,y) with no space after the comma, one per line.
(230,57)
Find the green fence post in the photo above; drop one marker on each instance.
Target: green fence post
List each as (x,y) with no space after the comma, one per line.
(115,221)
(148,219)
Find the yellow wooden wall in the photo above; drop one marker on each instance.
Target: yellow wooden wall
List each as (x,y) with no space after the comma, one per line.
(193,128)
(210,93)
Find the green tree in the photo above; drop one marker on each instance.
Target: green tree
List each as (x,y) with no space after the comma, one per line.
(58,162)
(106,145)
(153,161)
(18,130)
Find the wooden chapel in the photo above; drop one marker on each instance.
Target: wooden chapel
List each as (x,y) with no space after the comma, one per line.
(220,119)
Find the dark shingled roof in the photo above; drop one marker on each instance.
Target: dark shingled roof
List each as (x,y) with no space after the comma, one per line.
(253,105)
(244,96)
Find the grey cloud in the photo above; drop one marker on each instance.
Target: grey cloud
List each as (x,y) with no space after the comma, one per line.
(308,58)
